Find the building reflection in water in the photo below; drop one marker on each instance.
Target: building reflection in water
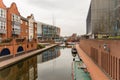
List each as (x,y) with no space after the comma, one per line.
(24,70)
(27,68)
(49,55)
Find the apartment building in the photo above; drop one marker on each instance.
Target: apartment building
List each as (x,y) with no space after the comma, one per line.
(13,22)
(3,20)
(17,33)
(24,28)
(32,27)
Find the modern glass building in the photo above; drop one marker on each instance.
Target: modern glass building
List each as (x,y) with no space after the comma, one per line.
(47,32)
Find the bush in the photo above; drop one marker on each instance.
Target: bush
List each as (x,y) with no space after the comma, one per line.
(40,46)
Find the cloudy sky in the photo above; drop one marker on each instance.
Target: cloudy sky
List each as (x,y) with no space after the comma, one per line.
(69,15)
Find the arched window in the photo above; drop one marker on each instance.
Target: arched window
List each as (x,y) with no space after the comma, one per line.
(20,49)
(4,52)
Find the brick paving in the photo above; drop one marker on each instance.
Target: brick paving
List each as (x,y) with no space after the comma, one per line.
(95,72)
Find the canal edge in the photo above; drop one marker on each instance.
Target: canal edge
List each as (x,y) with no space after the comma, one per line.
(12,61)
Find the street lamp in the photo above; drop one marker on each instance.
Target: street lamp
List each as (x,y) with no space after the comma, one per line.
(106,47)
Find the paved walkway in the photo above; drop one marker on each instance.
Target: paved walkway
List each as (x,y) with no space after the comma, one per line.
(94,70)
(11,61)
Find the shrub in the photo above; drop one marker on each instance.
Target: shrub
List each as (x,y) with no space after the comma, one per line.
(40,46)
(6,40)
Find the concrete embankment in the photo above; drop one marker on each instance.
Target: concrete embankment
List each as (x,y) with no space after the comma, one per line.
(9,62)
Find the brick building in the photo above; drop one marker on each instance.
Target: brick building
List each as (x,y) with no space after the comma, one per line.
(16,33)
(13,22)
(3,20)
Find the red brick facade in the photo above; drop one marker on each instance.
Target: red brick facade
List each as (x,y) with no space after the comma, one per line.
(105,53)
(16,38)
(10,12)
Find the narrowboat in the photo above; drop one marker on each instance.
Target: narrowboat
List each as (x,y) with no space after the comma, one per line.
(74,50)
(79,71)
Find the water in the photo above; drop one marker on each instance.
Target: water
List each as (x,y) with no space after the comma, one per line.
(53,64)
(58,68)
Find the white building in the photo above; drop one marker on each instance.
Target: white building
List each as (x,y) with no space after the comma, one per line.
(31,21)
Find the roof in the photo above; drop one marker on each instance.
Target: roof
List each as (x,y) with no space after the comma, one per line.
(23,18)
(2,5)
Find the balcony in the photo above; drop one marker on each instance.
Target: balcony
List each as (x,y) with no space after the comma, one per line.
(5,42)
(16,32)
(20,40)
(2,31)
(15,23)
(2,19)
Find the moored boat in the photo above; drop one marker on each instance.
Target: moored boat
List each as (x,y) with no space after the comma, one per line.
(74,50)
(79,71)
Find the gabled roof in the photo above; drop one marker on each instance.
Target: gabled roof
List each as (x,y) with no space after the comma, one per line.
(2,5)
(14,7)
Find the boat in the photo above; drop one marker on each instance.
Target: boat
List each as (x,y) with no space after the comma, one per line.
(62,45)
(74,50)
(79,71)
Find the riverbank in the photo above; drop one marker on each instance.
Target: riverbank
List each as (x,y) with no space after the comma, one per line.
(16,59)
(95,71)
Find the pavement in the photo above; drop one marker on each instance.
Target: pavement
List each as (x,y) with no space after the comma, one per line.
(14,60)
(95,72)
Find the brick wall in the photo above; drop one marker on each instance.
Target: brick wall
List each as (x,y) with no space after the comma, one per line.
(105,53)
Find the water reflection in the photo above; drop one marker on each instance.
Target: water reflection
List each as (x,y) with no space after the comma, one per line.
(49,55)
(39,67)
(56,69)
(23,70)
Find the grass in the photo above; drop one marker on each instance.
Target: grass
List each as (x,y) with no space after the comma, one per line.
(114,37)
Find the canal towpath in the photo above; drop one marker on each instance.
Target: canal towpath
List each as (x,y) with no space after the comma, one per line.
(95,72)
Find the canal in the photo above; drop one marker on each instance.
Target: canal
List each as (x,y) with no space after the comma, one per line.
(53,64)
(58,68)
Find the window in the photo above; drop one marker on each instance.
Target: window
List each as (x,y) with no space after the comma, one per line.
(12,17)
(2,25)
(16,18)
(2,13)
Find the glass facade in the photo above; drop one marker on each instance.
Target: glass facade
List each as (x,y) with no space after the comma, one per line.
(48,31)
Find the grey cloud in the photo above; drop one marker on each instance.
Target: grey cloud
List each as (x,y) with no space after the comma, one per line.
(70,15)
(57,4)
